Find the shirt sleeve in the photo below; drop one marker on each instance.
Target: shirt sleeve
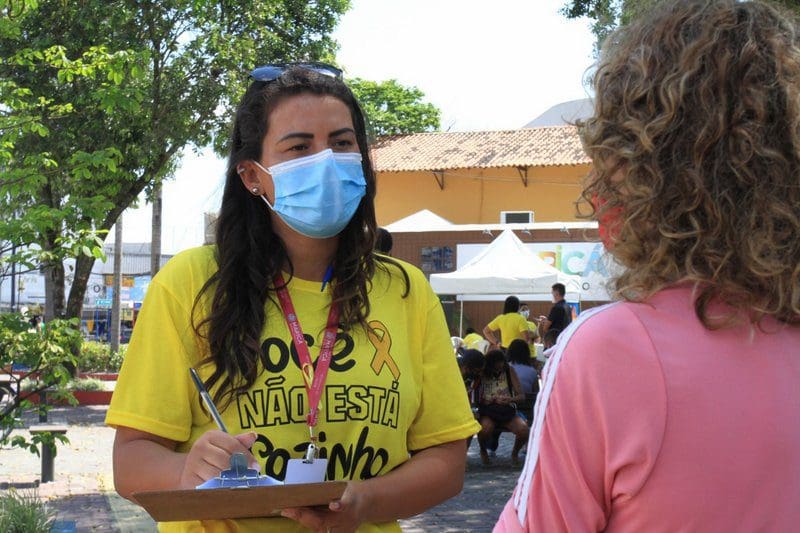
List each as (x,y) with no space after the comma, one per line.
(597,430)
(523,325)
(444,414)
(153,392)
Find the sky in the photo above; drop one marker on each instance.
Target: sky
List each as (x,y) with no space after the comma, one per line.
(486,65)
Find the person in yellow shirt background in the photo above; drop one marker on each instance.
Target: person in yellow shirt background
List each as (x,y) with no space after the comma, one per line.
(472,339)
(510,325)
(525,311)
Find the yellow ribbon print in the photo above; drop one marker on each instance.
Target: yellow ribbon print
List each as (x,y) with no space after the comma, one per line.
(382,344)
(308,374)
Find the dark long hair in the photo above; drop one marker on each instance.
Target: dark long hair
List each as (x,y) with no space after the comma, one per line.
(511,305)
(519,353)
(249,254)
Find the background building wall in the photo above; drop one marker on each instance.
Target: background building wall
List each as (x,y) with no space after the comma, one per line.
(477,196)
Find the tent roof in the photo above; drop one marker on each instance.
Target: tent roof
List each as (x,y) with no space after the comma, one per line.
(564,113)
(421,219)
(426,220)
(506,266)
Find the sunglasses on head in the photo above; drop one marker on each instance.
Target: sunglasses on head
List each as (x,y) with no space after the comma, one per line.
(274,71)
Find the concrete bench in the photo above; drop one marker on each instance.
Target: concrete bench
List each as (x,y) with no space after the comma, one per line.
(48,453)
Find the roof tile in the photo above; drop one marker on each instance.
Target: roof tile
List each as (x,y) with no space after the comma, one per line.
(527,147)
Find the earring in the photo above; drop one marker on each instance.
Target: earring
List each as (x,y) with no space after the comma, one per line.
(255,190)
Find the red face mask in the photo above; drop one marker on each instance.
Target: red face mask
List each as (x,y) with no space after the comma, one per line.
(609,224)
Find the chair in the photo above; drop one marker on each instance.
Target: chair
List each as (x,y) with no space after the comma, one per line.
(457,342)
(482,346)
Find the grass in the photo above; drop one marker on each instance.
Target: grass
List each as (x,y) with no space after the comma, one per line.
(87,384)
(24,512)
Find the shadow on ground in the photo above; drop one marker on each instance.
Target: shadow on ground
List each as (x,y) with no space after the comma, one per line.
(486,491)
(87,415)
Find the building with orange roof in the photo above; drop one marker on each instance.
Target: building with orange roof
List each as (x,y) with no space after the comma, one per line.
(481,177)
(448,194)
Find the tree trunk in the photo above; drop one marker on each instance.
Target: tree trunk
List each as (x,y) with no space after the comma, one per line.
(53,285)
(155,239)
(116,300)
(13,280)
(83,269)
(84,264)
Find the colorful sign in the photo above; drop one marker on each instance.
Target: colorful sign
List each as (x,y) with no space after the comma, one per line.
(585,259)
(134,292)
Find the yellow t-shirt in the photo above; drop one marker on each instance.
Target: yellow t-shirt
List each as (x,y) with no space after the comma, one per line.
(511,325)
(471,340)
(387,393)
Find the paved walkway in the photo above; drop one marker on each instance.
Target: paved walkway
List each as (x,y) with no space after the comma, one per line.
(83,490)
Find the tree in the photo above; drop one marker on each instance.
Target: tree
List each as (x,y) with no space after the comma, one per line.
(44,359)
(606,15)
(115,90)
(392,108)
(23,216)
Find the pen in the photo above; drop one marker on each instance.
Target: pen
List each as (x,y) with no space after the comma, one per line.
(327,278)
(207,399)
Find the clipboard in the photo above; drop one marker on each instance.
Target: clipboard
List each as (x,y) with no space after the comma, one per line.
(241,502)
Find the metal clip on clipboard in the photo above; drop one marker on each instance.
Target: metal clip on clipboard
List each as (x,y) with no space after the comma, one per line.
(239,476)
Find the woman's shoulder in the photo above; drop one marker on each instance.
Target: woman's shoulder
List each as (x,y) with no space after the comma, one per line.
(515,317)
(596,324)
(607,351)
(190,266)
(608,335)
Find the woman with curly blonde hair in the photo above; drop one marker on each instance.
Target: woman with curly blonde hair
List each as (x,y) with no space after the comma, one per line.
(678,407)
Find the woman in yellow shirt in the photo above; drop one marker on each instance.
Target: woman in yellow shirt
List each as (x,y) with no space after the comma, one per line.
(510,325)
(288,311)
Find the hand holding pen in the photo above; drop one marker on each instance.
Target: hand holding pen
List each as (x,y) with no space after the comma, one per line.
(207,400)
(211,452)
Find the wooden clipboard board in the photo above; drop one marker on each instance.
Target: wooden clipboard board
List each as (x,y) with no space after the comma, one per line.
(249,502)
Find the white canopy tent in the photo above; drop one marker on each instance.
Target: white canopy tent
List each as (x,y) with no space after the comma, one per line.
(506,267)
(424,220)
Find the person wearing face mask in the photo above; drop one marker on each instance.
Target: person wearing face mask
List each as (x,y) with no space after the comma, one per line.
(677,407)
(310,343)
(533,329)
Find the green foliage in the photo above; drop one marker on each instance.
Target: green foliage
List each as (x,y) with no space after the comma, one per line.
(86,384)
(101,96)
(44,358)
(24,512)
(606,15)
(98,357)
(31,209)
(392,108)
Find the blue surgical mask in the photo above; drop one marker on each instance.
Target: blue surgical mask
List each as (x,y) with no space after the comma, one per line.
(317,195)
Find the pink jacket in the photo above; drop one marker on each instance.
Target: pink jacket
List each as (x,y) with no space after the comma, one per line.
(647,421)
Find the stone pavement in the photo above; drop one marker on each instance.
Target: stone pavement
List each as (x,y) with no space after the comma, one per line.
(83,490)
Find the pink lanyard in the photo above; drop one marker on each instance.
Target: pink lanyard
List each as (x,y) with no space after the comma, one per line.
(314,379)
